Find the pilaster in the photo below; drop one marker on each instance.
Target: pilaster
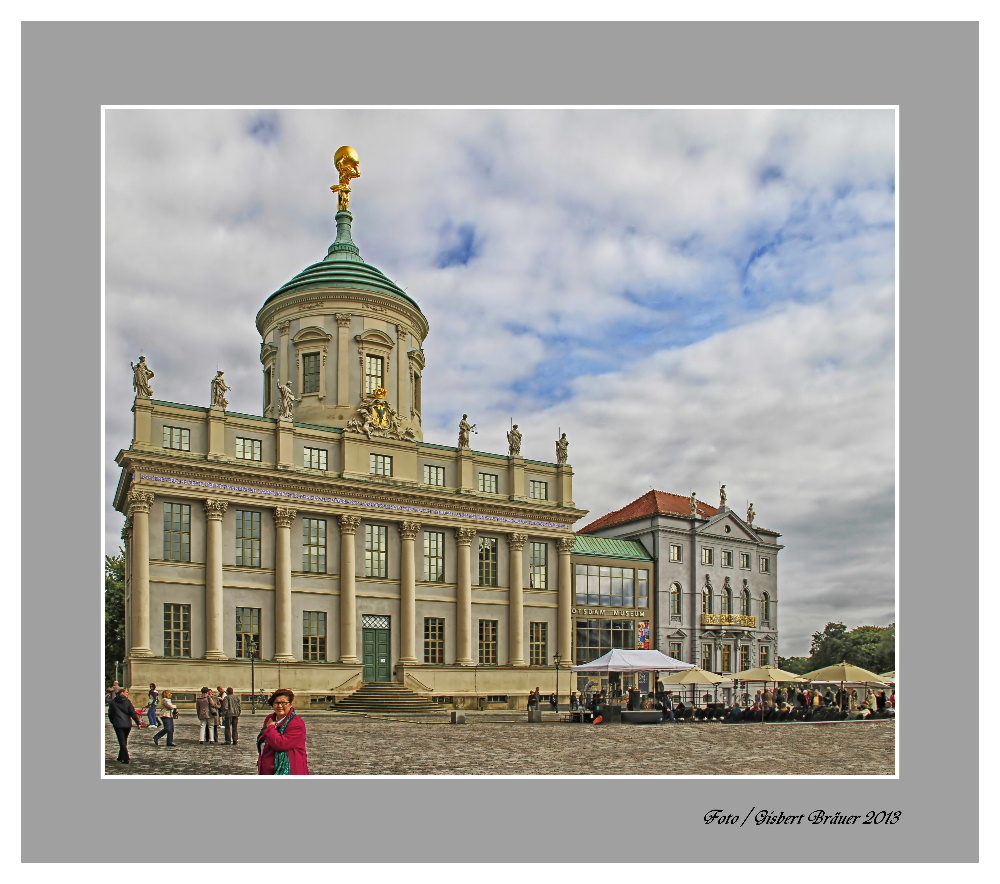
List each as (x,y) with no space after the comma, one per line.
(515,471)
(142,425)
(564,483)
(466,467)
(216,433)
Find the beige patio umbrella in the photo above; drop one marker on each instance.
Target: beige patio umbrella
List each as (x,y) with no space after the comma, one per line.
(693,677)
(844,672)
(766,674)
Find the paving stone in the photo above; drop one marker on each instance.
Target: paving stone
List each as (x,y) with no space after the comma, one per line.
(498,744)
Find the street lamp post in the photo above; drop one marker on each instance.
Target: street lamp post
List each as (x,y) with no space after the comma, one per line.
(252,650)
(557,659)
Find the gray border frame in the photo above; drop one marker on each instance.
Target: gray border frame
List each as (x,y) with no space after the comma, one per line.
(71,68)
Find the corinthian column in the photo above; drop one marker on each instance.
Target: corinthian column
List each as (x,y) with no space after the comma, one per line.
(564,617)
(464,537)
(139,503)
(283,518)
(515,627)
(408,592)
(214,511)
(348,594)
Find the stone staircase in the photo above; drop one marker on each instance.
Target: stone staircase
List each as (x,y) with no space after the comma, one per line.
(388,698)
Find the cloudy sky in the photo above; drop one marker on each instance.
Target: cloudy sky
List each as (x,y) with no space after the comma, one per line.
(693,296)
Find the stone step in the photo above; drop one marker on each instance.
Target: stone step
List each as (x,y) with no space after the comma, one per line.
(387,698)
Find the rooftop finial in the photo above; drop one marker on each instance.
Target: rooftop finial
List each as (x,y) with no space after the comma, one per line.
(346,160)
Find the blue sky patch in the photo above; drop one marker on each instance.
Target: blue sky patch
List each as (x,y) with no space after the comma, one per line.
(458,247)
(265,127)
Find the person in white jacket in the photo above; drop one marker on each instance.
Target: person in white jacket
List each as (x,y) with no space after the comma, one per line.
(168,711)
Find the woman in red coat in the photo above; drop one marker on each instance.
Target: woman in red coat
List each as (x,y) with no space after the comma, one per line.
(281,744)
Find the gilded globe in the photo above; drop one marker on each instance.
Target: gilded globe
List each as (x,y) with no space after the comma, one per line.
(346,152)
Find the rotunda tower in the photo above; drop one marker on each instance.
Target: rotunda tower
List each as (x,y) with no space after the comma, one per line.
(344,336)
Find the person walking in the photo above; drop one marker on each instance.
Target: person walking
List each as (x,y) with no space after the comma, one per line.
(220,697)
(121,714)
(281,743)
(232,708)
(154,701)
(205,716)
(216,701)
(111,692)
(168,712)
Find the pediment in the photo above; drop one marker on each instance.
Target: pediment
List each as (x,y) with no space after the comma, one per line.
(738,529)
(311,333)
(375,337)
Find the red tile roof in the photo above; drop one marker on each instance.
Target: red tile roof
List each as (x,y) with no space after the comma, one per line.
(651,503)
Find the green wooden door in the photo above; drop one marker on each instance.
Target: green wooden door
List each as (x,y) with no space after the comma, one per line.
(375,634)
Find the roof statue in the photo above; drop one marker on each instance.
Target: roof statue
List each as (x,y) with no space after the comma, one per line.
(694,504)
(722,497)
(141,373)
(750,515)
(287,400)
(562,449)
(514,441)
(464,431)
(346,160)
(219,390)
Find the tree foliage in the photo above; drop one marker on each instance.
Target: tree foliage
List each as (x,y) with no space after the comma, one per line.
(114,612)
(870,647)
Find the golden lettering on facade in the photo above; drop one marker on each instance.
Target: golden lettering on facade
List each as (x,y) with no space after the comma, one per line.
(728,620)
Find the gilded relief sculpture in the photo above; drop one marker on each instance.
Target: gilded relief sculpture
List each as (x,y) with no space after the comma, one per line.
(376,417)
(346,160)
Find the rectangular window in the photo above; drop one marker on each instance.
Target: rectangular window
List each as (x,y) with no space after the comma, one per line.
(765,565)
(433,475)
(418,395)
(433,639)
(765,655)
(376,550)
(314,635)
(594,638)
(267,388)
(314,458)
(675,552)
(676,651)
(707,555)
(176,630)
(177,532)
(488,482)
(373,373)
(310,373)
(177,437)
(727,658)
(248,633)
(487,561)
(314,545)
(538,566)
(615,587)
(538,644)
(247,539)
(538,490)
(706,657)
(488,641)
(434,556)
(248,449)
(727,558)
(744,658)
(745,561)
(380,464)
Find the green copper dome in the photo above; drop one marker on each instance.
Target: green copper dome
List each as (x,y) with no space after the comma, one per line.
(344,268)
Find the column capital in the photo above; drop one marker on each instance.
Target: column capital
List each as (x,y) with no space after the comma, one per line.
(465,536)
(216,509)
(517,541)
(349,524)
(139,501)
(409,530)
(283,516)
(565,544)
(343,320)
(127,529)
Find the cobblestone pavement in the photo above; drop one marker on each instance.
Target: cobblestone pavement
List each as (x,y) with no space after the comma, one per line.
(501,744)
